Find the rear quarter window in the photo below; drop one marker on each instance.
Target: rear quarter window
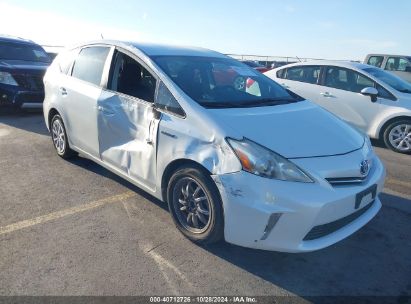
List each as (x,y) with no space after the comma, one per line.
(281,73)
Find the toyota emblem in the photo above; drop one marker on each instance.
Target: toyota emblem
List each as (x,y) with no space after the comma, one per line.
(364,167)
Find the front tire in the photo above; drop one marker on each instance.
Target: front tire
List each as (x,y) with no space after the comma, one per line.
(59,137)
(195,205)
(397,136)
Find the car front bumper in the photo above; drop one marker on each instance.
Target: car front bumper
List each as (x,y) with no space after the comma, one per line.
(294,217)
(16,97)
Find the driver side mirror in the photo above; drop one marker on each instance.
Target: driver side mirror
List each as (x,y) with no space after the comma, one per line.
(408,68)
(372,92)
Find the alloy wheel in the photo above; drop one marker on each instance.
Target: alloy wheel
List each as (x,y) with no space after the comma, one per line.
(400,137)
(191,205)
(59,137)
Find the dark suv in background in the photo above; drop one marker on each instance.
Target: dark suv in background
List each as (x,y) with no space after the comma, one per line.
(23,64)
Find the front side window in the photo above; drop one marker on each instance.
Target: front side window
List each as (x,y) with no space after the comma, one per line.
(24,52)
(396,64)
(131,78)
(390,79)
(346,79)
(166,101)
(89,64)
(375,61)
(222,82)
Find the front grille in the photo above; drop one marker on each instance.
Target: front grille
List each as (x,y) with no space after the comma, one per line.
(30,82)
(346,180)
(325,229)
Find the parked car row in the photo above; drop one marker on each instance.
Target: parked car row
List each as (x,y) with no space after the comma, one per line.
(374,101)
(234,154)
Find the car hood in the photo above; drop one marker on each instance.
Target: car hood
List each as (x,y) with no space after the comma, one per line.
(294,130)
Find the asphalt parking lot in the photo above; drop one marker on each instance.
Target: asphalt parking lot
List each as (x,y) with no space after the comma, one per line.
(74,228)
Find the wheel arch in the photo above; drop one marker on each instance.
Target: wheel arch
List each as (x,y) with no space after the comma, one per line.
(390,121)
(51,114)
(172,167)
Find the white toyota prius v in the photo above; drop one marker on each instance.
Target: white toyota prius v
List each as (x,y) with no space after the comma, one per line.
(233,154)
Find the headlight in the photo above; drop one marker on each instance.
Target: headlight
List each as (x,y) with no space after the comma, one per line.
(6,78)
(264,162)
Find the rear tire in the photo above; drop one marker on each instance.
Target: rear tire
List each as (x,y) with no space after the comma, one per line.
(59,138)
(397,136)
(195,205)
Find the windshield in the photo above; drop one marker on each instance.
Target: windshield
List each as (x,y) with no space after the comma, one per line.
(25,52)
(223,82)
(390,79)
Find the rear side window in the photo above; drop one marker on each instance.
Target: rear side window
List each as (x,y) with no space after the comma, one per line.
(295,73)
(89,64)
(308,74)
(375,61)
(396,64)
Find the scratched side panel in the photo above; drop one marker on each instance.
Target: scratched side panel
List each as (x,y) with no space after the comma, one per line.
(127,136)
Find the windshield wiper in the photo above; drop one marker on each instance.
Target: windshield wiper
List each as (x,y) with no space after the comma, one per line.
(267,101)
(251,103)
(218,105)
(405,91)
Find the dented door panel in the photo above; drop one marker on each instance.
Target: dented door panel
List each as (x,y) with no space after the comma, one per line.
(128,136)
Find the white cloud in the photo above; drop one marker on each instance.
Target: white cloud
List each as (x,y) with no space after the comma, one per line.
(48,28)
(145,16)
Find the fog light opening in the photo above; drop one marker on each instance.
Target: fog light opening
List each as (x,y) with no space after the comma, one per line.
(272,221)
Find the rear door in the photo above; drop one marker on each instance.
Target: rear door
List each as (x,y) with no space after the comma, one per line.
(302,80)
(127,124)
(80,93)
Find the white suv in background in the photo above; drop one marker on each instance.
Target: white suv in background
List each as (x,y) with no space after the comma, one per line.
(367,97)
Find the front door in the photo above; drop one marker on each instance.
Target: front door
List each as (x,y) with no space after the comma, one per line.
(126,121)
(340,94)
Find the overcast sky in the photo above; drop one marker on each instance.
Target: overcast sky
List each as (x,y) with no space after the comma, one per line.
(344,29)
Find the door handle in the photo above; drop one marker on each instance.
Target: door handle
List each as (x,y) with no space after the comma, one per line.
(63,91)
(326,94)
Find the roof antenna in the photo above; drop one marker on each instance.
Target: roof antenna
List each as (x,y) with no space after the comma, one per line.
(101,34)
(298,58)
